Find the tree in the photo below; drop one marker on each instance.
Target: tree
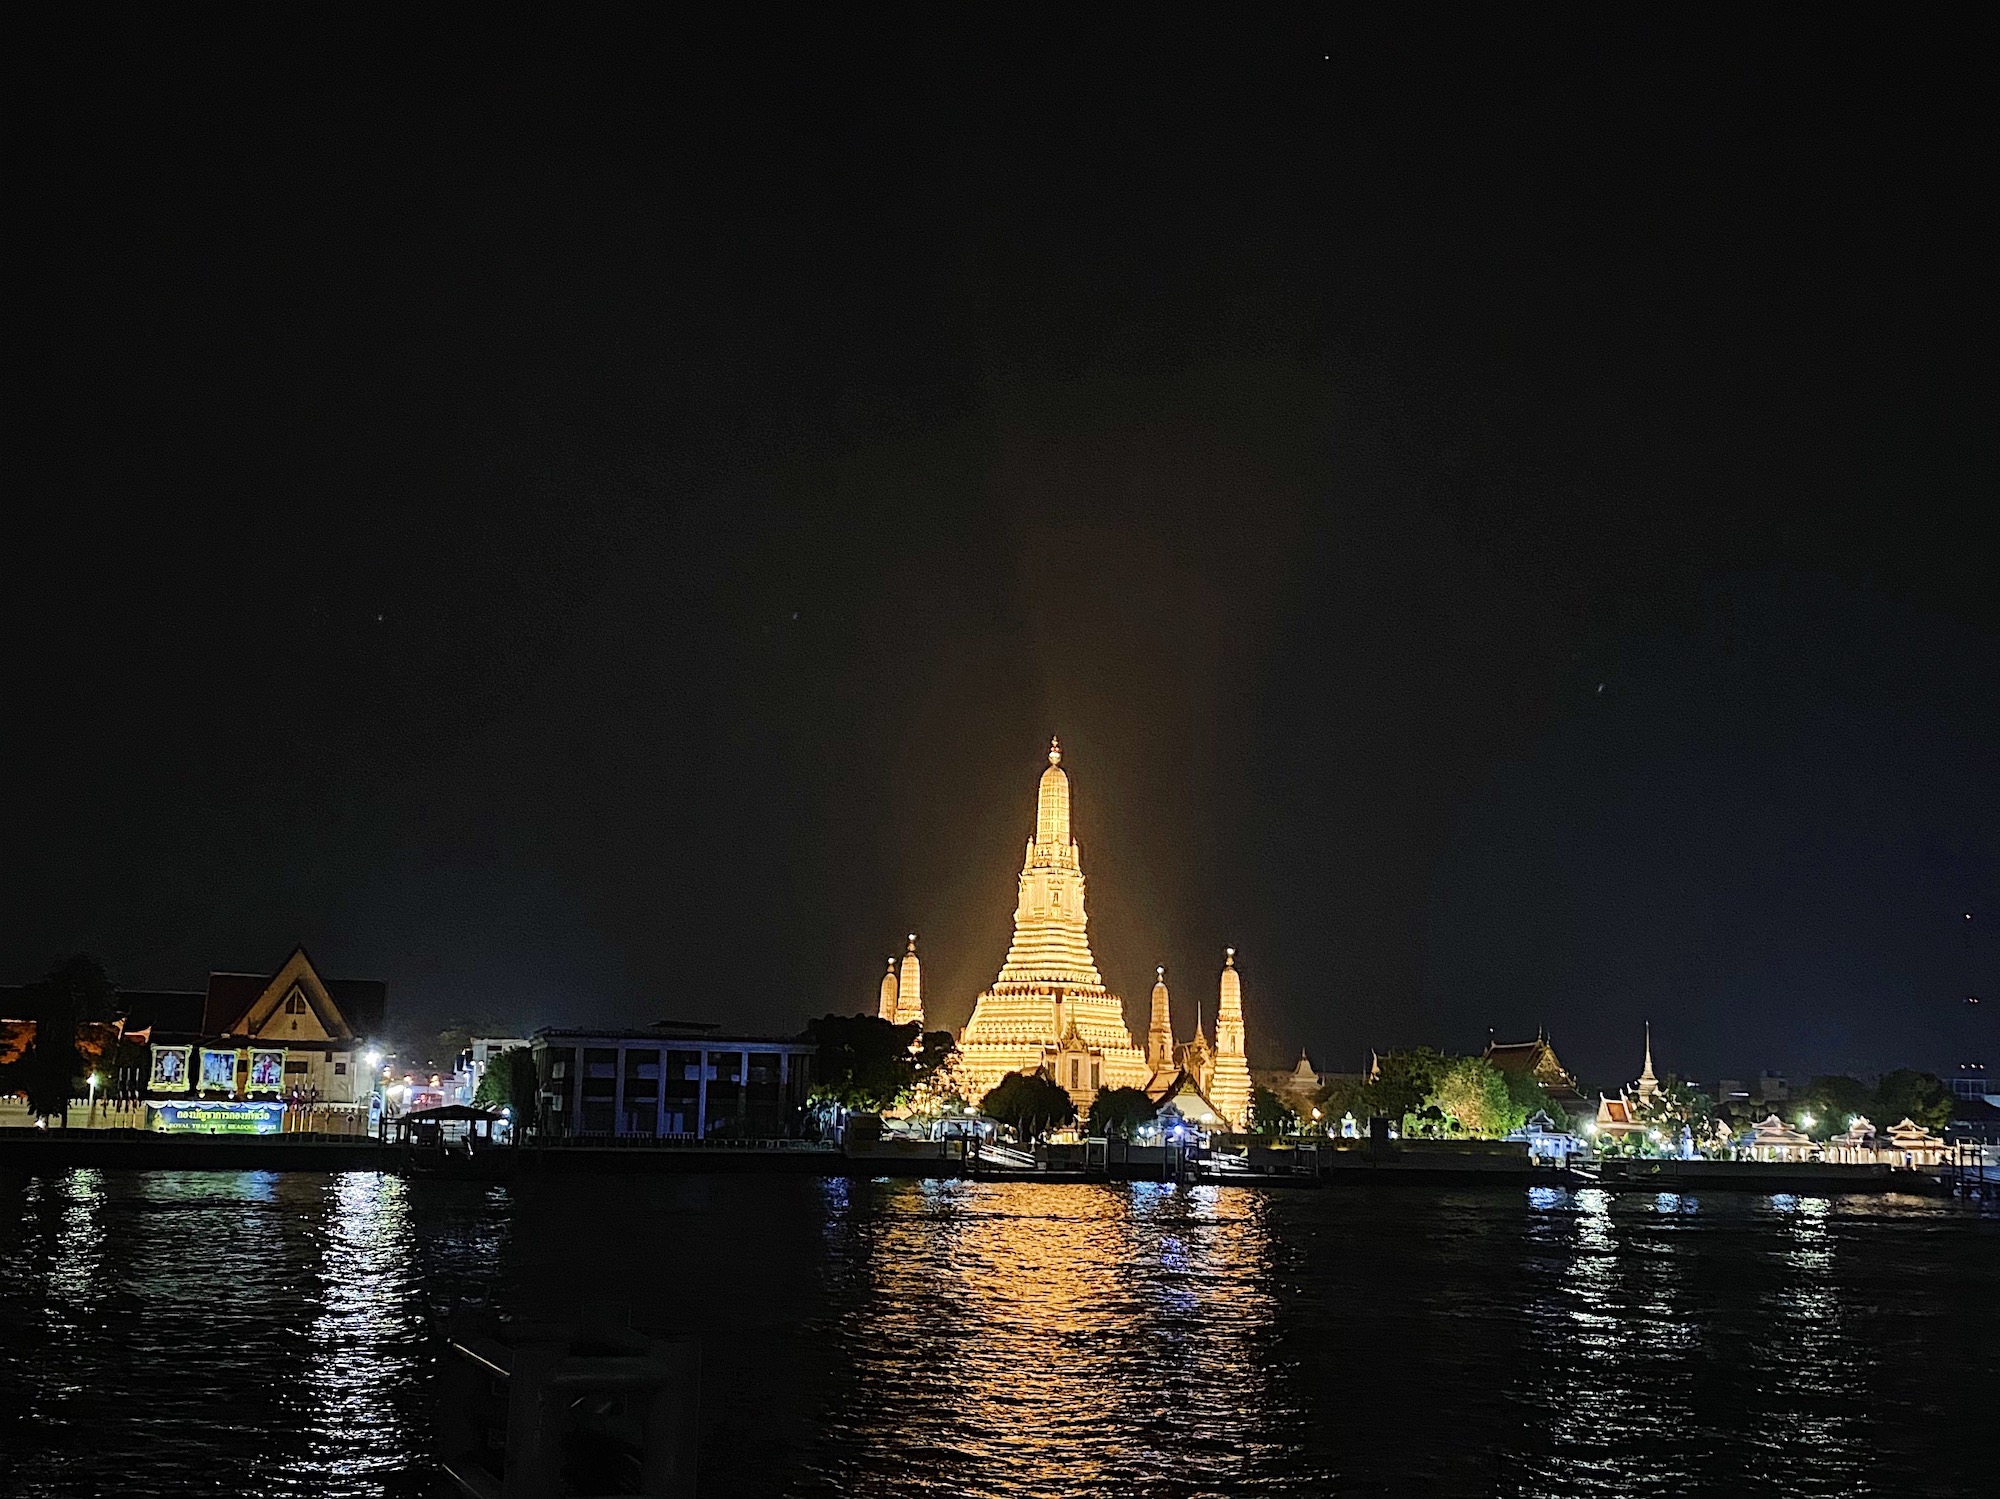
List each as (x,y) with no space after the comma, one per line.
(1404,1082)
(1344,1094)
(510,1082)
(72,991)
(940,1076)
(1831,1101)
(863,1062)
(1270,1114)
(1530,1098)
(1120,1111)
(1472,1094)
(1676,1107)
(1031,1102)
(1916,1096)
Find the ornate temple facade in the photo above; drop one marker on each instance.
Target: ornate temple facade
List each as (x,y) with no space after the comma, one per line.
(1049,1010)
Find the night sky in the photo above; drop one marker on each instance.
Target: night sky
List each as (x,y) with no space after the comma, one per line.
(595,527)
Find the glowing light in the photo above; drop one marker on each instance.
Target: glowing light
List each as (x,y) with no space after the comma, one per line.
(1807,1120)
(374,1060)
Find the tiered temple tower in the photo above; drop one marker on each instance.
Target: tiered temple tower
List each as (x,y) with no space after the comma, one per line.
(1049,1007)
(887,1009)
(910,988)
(1160,1038)
(1229,1083)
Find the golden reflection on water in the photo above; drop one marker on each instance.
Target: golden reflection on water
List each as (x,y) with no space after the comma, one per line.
(1057,1340)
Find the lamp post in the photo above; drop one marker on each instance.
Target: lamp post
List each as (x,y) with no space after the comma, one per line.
(90,1118)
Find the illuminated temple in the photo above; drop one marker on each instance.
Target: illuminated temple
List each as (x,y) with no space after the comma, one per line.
(1049,1010)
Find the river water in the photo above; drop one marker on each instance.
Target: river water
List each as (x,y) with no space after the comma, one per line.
(257,1333)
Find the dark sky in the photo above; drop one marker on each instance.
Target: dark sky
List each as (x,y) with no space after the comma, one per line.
(594,526)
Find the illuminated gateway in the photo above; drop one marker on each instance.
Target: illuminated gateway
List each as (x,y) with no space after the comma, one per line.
(1050,1011)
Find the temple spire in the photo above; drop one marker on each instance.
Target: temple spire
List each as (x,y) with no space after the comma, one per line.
(888,1006)
(1052,801)
(1648,1084)
(1160,1036)
(910,987)
(1229,1089)
(1051,933)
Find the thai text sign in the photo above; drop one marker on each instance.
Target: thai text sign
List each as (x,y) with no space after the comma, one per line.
(219,1118)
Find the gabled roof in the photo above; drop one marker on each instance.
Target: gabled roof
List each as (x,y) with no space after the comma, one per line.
(1188,1101)
(1515,1056)
(1536,1059)
(355,1006)
(1771,1130)
(1909,1133)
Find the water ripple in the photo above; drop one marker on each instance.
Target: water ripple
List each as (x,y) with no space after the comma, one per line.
(174,1333)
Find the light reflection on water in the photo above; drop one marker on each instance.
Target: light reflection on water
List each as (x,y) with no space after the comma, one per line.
(365,1335)
(1007,1331)
(171,1333)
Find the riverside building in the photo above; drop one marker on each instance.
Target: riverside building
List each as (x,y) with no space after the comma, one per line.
(673,1080)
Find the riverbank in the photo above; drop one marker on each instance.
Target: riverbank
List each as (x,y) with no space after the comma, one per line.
(1474,1165)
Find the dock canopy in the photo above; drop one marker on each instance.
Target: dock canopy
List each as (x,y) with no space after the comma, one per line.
(453,1113)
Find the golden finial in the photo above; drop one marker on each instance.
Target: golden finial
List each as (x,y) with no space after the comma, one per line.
(913,942)
(1229,957)
(1055,750)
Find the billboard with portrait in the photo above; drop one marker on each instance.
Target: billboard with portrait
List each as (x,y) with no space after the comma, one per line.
(267,1071)
(218,1070)
(170,1069)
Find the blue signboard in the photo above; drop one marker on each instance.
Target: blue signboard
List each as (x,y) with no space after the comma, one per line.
(219,1118)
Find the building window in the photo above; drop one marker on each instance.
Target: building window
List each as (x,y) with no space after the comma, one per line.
(340,1069)
(297,1069)
(1096,1072)
(1075,1072)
